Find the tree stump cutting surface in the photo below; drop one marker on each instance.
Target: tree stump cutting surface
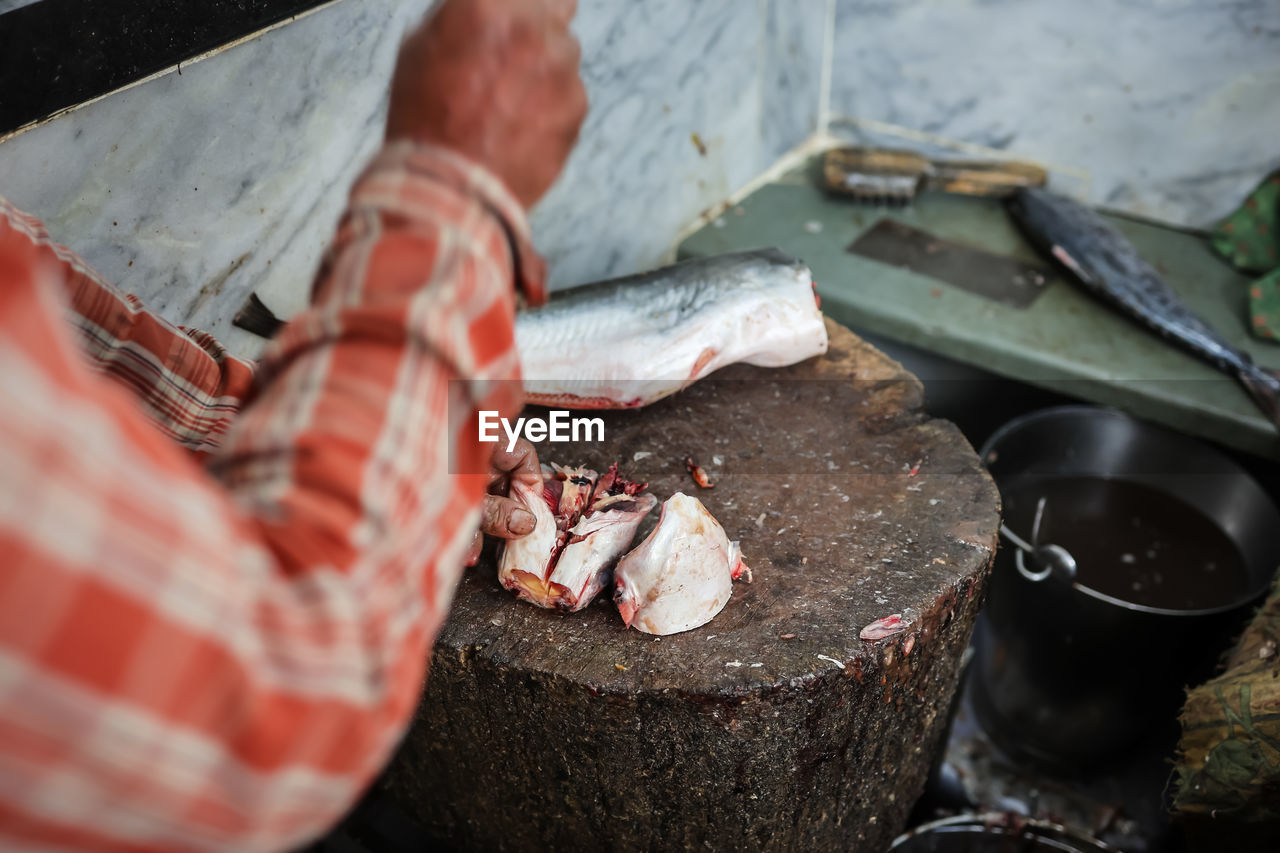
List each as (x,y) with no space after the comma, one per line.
(774,726)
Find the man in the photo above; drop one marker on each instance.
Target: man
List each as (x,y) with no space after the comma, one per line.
(219,649)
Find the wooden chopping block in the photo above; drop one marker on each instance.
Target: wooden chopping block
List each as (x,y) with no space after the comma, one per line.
(774,726)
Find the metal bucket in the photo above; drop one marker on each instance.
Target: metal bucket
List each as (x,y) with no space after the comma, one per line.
(995,833)
(1065,675)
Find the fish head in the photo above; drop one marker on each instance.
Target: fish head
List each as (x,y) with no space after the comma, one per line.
(695,519)
(1037,207)
(1052,223)
(680,577)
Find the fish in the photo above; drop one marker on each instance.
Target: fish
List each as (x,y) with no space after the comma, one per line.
(682,574)
(1107,265)
(631,341)
(627,342)
(883,627)
(584,524)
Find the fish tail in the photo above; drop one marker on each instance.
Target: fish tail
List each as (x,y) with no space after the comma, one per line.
(1263,386)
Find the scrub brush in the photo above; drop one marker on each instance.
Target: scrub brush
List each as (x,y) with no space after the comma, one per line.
(892,176)
(256,318)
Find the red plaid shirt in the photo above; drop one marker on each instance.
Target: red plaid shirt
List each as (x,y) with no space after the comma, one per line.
(217,651)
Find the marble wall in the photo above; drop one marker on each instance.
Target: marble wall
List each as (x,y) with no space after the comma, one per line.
(741,77)
(193,189)
(200,185)
(1171,108)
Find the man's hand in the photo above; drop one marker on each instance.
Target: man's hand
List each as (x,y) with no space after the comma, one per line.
(497,81)
(500,515)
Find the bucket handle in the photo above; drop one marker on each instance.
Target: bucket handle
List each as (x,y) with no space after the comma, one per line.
(1024,548)
(1054,558)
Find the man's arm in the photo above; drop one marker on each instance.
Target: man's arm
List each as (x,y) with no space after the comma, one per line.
(198,663)
(184,379)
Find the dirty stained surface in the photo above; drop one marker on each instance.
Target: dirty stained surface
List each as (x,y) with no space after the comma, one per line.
(787,728)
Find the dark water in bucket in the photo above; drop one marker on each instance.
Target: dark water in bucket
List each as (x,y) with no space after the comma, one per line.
(1073,678)
(1133,542)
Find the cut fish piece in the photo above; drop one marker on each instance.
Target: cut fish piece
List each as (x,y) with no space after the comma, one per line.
(596,543)
(585,522)
(682,574)
(526,563)
(630,341)
(884,627)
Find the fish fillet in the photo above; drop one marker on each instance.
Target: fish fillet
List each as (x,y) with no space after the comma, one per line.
(585,522)
(682,574)
(631,341)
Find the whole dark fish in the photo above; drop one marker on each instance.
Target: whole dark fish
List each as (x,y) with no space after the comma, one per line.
(1109,267)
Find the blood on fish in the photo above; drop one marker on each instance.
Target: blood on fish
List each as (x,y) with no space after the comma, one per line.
(551,494)
(704,358)
(1069,262)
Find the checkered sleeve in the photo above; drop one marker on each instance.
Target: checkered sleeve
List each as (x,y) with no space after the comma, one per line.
(184,379)
(220,657)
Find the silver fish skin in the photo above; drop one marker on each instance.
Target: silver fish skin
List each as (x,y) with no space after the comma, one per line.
(1108,266)
(630,341)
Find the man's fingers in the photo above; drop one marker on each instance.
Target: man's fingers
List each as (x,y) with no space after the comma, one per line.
(561,10)
(519,463)
(505,518)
